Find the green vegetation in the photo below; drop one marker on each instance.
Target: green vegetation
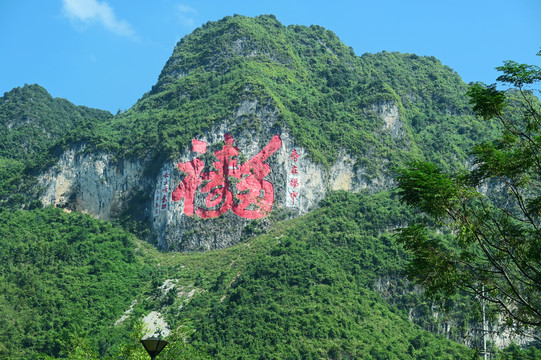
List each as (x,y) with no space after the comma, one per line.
(31,121)
(310,294)
(33,127)
(494,251)
(304,290)
(65,275)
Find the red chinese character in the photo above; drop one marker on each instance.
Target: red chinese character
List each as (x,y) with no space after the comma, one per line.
(257,170)
(218,181)
(252,197)
(187,188)
(255,195)
(164,206)
(293,196)
(294,155)
(166,175)
(294,182)
(294,170)
(199,146)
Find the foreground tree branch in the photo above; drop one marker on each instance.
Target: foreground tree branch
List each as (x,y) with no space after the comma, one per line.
(493,238)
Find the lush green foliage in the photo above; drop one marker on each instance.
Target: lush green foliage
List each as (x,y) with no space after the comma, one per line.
(306,289)
(309,294)
(31,121)
(33,126)
(515,352)
(493,211)
(64,275)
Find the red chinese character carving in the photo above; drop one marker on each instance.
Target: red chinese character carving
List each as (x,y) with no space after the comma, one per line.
(254,183)
(294,170)
(293,196)
(199,146)
(252,196)
(294,155)
(166,175)
(294,182)
(218,185)
(187,188)
(252,189)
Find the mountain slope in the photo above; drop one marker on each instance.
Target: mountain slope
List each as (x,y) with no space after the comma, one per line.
(304,290)
(328,97)
(311,293)
(64,275)
(31,121)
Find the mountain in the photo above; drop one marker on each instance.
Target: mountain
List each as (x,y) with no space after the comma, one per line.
(31,120)
(240,86)
(260,166)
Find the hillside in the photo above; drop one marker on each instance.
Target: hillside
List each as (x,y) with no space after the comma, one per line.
(32,125)
(349,119)
(31,121)
(247,200)
(326,96)
(305,289)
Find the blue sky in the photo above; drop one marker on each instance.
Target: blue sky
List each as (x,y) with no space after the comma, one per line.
(107,53)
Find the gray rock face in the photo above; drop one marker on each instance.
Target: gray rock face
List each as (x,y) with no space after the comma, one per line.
(214,200)
(391,116)
(92,183)
(394,288)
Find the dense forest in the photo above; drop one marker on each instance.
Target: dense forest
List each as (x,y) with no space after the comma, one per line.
(330,284)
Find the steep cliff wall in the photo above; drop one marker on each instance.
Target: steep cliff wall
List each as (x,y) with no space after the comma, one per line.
(93,183)
(229,183)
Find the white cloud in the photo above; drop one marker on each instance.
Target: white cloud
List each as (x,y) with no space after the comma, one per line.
(88,11)
(185,15)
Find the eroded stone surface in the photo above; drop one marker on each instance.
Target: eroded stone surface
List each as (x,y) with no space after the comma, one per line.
(99,185)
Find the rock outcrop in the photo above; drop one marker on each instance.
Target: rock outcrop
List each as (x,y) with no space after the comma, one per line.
(286,183)
(93,183)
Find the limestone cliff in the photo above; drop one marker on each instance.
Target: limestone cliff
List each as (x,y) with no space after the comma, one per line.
(290,184)
(92,183)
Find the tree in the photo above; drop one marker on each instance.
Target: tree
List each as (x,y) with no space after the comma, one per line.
(479,230)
